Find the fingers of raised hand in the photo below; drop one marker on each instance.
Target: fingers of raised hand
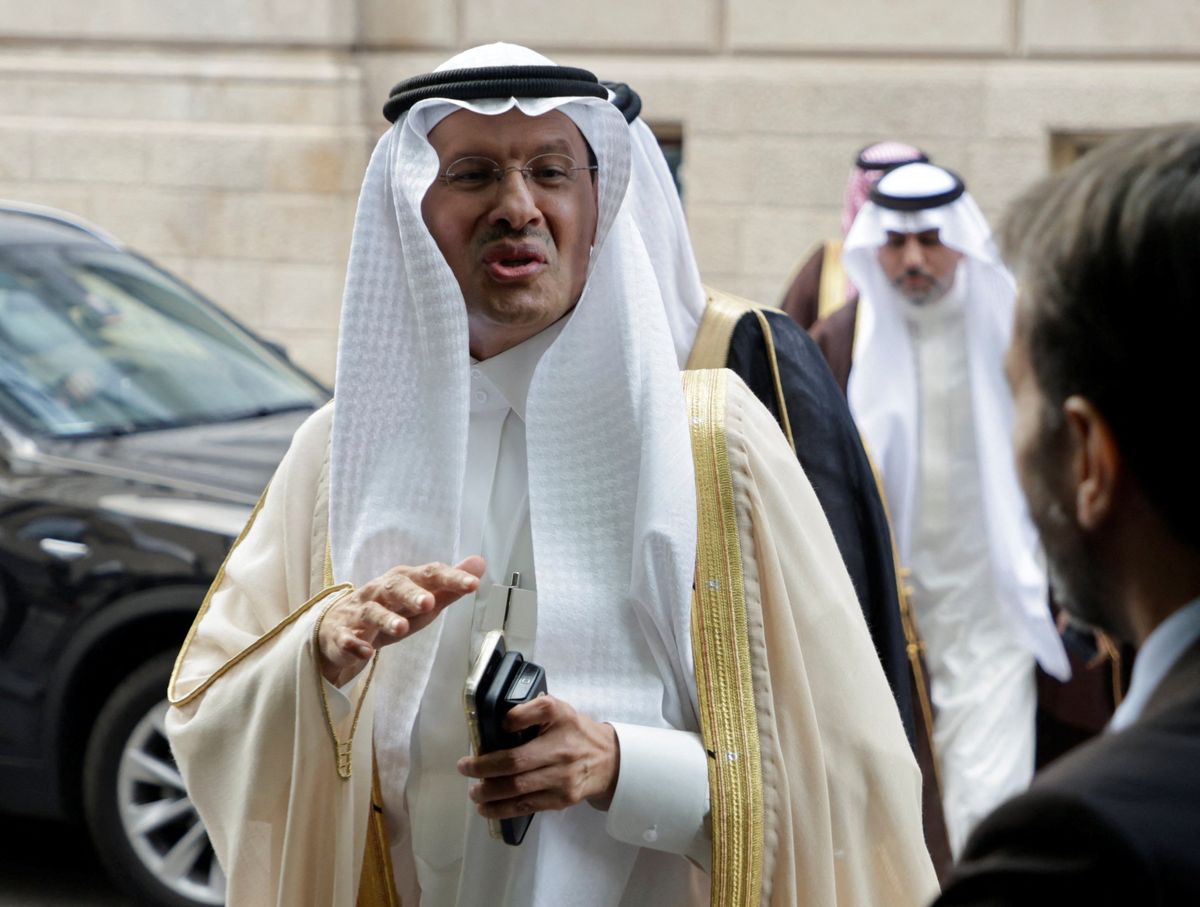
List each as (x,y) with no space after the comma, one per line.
(414,590)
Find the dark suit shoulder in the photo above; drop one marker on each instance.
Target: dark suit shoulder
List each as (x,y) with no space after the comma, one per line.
(1117,816)
(1047,848)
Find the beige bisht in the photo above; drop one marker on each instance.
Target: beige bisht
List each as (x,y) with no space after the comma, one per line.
(816,798)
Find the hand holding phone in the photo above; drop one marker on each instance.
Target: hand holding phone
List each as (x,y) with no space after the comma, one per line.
(499,681)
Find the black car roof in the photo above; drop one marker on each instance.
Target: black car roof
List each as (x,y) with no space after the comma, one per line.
(20,224)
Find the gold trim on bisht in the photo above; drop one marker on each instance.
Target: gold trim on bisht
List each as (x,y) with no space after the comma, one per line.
(377,884)
(728,717)
(914,644)
(831,294)
(324,594)
(722,312)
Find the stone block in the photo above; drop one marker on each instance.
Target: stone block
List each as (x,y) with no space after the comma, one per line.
(775,242)
(70,198)
(303,22)
(1001,171)
(16,152)
(1034,99)
(625,24)
(958,26)
(316,353)
(276,102)
(302,297)
(714,170)
(796,172)
(852,98)
(281,227)
(65,151)
(412,23)
(235,286)
(1085,27)
(101,96)
(713,229)
(756,289)
(325,162)
(156,221)
(216,159)
(14,93)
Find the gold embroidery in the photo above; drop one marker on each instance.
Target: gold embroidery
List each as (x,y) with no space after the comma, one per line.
(722,654)
(342,754)
(785,421)
(220,577)
(914,645)
(722,312)
(377,883)
(254,646)
(258,643)
(831,294)
(711,347)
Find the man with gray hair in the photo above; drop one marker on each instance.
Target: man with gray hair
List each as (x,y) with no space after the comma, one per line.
(1106,256)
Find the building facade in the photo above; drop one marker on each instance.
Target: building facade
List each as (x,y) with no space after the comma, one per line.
(227,139)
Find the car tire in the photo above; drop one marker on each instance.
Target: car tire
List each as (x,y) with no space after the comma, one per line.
(142,822)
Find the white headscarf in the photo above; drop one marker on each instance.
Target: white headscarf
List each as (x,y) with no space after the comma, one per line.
(611,487)
(658,213)
(883,389)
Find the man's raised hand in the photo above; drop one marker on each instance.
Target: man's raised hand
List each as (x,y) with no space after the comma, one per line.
(387,609)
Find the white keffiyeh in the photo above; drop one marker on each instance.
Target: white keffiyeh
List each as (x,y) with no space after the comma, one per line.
(612,496)
(883,390)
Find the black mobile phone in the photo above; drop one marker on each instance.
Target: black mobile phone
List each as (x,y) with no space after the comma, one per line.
(499,681)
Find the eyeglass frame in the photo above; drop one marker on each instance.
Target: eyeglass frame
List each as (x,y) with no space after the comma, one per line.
(499,172)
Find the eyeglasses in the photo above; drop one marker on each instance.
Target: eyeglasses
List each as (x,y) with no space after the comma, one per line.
(548,171)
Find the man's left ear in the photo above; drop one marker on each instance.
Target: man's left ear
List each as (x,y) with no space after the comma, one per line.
(1095,461)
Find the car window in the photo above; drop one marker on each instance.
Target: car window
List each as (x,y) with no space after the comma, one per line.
(97,341)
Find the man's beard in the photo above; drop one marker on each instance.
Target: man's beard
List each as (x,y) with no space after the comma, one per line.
(1078,579)
(933,290)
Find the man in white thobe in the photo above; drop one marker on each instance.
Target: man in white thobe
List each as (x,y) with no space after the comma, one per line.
(509,401)
(928,393)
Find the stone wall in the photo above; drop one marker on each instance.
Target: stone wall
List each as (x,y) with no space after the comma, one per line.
(237,170)
(227,139)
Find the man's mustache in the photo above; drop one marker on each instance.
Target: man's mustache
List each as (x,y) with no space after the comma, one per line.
(502,232)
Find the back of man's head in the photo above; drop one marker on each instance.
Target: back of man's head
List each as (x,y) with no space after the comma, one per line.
(1107,259)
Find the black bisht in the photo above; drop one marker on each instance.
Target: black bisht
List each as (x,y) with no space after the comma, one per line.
(831,452)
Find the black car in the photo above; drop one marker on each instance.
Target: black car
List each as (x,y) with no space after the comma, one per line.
(138,426)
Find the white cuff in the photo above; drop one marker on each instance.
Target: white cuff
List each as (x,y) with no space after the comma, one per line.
(661,800)
(339,698)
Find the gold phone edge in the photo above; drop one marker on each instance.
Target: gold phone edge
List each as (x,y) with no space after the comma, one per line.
(470,688)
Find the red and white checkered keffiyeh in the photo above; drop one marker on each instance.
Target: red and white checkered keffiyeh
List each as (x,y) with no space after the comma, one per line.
(882,155)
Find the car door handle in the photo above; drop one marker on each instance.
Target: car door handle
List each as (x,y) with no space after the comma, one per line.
(64,550)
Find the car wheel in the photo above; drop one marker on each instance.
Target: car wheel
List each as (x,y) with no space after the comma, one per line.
(142,821)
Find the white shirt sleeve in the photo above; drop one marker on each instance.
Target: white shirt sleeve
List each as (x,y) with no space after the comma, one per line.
(339,698)
(661,800)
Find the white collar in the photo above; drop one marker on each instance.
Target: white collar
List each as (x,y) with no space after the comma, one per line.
(1158,654)
(511,372)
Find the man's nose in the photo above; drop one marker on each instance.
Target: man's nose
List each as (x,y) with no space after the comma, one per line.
(514,202)
(914,254)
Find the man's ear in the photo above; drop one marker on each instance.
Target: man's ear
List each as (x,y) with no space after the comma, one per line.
(1095,461)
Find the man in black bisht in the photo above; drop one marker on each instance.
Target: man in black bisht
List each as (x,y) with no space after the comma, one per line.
(785,369)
